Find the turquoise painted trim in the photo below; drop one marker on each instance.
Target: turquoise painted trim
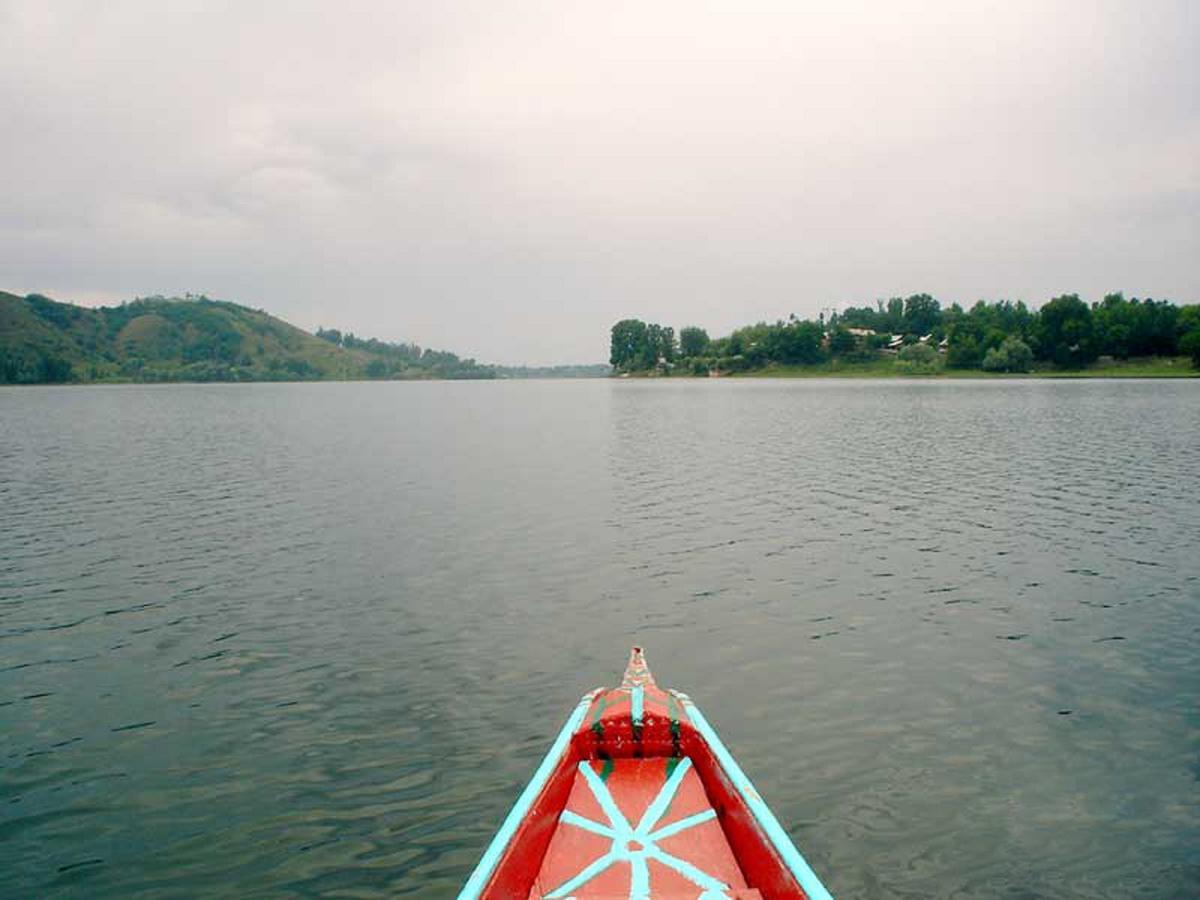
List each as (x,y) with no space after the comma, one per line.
(783,844)
(683,824)
(638,705)
(639,880)
(487,865)
(600,791)
(663,798)
(567,888)
(687,870)
(623,835)
(571,818)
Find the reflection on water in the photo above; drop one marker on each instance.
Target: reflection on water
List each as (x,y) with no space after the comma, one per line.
(281,639)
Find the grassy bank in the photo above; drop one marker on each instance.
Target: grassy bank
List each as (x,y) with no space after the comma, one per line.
(891,367)
(1139,367)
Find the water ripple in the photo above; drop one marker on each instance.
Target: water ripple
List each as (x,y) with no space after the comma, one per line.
(298,639)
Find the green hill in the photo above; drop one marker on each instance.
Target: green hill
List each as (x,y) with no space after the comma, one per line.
(194,339)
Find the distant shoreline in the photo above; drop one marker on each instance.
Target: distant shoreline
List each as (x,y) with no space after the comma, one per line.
(883,370)
(128,382)
(915,337)
(197,340)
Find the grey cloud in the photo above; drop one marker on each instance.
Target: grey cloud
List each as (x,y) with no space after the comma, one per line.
(507,179)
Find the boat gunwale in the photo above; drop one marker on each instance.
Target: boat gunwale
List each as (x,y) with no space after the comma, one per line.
(782,843)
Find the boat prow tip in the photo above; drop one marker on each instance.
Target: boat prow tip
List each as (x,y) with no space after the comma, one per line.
(637,672)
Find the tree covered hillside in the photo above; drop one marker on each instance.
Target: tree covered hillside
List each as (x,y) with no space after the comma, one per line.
(192,339)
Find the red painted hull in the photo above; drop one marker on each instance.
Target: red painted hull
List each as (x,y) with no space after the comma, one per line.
(638,798)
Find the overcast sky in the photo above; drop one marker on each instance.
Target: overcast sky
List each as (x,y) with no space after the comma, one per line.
(507,179)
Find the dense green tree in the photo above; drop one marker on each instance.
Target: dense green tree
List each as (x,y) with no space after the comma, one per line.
(29,365)
(951,317)
(918,314)
(638,346)
(922,314)
(963,351)
(918,358)
(1014,355)
(1124,328)
(61,315)
(861,317)
(693,341)
(660,345)
(1112,321)
(794,342)
(1188,319)
(629,340)
(1189,344)
(798,342)
(1065,332)
(1188,326)
(842,342)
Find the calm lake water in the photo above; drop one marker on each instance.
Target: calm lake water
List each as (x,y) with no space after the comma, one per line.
(267,640)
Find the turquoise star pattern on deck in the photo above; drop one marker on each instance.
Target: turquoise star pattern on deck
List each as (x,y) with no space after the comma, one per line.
(635,846)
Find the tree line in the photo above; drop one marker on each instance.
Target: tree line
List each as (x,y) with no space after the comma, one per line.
(404,359)
(1065,333)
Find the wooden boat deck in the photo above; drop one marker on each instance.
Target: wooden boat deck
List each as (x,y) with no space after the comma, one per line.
(630,823)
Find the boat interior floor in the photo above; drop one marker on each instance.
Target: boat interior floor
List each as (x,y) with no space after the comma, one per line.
(636,828)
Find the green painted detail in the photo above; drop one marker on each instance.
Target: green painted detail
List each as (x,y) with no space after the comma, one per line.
(673,710)
(601,706)
(673,713)
(597,725)
(606,769)
(672,762)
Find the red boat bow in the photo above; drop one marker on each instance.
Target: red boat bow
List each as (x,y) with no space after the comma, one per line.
(639,798)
